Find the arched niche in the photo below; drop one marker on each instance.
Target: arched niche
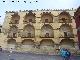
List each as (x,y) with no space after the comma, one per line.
(64,17)
(15,18)
(66,30)
(11,43)
(13,31)
(47,44)
(47,31)
(28,31)
(46,17)
(29,17)
(27,44)
(67,43)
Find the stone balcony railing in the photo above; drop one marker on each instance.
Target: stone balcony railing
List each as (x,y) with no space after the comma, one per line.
(46,37)
(27,36)
(13,35)
(66,37)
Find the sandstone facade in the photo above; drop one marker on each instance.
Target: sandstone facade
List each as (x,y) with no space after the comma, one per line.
(39,31)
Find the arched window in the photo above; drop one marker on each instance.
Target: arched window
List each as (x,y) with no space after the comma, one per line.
(28,31)
(15,18)
(66,30)
(47,17)
(13,31)
(29,17)
(64,17)
(47,31)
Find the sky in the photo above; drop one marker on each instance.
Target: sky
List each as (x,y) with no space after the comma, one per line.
(8,5)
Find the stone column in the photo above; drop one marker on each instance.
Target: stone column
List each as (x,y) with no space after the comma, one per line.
(37,32)
(21,24)
(37,28)
(5,43)
(18,44)
(57,49)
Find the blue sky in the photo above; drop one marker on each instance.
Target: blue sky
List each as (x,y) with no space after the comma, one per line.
(8,5)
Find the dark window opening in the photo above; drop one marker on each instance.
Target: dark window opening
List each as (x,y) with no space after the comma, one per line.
(65,34)
(29,34)
(47,35)
(0,30)
(63,19)
(46,20)
(30,20)
(16,21)
(14,35)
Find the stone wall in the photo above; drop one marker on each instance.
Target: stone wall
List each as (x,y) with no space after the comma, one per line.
(43,39)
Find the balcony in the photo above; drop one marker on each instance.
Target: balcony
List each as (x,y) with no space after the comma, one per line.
(12,36)
(28,36)
(67,36)
(46,36)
